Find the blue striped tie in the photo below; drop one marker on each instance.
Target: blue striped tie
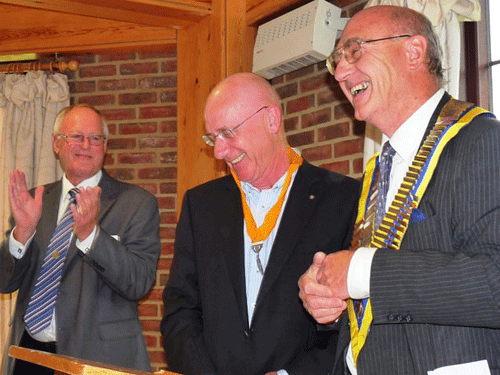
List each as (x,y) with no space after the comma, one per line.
(383,181)
(41,306)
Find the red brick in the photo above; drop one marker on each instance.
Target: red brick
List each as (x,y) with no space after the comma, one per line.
(151,325)
(301,139)
(136,158)
(121,143)
(164,264)
(299,73)
(158,112)
(167,248)
(116,57)
(151,341)
(168,96)
(157,173)
(350,147)
(288,90)
(316,118)
(118,114)
(157,356)
(121,174)
(81,87)
(138,128)
(169,66)
(170,51)
(291,123)
(166,203)
(300,104)
(168,218)
(317,153)
(163,81)
(168,188)
(97,71)
(313,83)
(341,167)
(148,309)
(139,68)
(137,98)
(97,100)
(333,132)
(357,165)
(158,142)
(116,84)
(169,126)
(168,157)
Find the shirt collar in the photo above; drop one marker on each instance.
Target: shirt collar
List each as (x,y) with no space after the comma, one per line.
(89,182)
(408,137)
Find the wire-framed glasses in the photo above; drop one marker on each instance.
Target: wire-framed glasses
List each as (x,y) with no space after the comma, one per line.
(78,139)
(226,133)
(352,51)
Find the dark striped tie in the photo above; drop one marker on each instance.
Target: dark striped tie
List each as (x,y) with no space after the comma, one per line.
(383,181)
(41,306)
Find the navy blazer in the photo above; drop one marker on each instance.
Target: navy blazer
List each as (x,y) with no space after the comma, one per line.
(205,327)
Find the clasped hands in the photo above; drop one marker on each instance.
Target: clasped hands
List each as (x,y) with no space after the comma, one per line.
(323,287)
(27,210)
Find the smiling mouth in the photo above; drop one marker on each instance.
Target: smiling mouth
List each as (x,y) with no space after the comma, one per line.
(238,159)
(358,89)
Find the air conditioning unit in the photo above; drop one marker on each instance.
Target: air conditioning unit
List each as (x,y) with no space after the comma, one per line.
(297,39)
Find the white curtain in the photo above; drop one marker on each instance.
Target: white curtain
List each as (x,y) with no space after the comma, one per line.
(29,104)
(445,16)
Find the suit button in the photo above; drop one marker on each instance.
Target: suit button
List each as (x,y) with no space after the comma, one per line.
(408,318)
(391,318)
(399,318)
(247,333)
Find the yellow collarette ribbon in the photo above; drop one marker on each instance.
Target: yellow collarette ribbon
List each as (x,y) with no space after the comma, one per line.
(453,117)
(261,233)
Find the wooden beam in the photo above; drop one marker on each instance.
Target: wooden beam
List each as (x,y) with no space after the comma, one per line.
(23,32)
(175,14)
(259,10)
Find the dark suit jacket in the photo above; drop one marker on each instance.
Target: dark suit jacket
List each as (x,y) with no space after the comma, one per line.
(96,309)
(436,301)
(205,327)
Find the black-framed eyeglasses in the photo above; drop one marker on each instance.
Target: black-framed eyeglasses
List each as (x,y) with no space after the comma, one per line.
(78,139)
(352,51)
(226,133)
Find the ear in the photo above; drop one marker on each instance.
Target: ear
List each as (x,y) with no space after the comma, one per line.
(55,143)
(416,51)
(274,118)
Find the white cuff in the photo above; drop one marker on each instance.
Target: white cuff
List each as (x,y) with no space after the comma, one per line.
(358,275)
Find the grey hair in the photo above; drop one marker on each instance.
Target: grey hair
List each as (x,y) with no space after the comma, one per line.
(63,112)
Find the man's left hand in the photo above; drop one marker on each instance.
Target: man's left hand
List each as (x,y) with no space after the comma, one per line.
(86,211)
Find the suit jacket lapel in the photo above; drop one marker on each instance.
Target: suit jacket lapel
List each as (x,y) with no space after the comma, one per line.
(298,210)
(231,235)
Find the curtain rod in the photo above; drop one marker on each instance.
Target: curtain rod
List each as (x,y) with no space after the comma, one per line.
(62,66)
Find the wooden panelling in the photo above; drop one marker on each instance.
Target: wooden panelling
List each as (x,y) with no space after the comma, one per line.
(22,31)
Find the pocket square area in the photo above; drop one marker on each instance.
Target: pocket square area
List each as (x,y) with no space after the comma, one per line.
(416,216)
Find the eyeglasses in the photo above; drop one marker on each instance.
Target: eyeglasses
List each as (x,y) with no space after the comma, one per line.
(225,133)
(78,139)
(352,51)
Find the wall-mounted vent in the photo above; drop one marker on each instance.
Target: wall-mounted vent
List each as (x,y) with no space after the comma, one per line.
(297,39)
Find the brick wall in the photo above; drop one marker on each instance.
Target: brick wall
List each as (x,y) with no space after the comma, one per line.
(136,92)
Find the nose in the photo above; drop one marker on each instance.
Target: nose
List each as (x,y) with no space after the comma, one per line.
(85,143)
(342,70)
(220,148)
